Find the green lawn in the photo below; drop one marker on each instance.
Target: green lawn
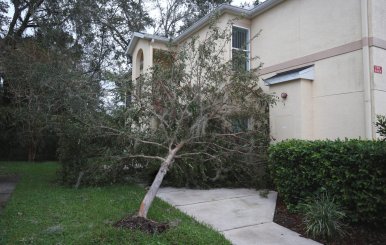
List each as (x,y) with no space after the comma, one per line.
(42,212)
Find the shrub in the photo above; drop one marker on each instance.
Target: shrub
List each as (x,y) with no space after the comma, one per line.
(381,126)
(352,171)
(323,218)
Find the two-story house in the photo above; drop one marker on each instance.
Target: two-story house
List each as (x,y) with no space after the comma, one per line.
(325,60)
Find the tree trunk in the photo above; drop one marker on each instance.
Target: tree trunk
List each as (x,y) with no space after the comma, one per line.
(32,151)
(151,193)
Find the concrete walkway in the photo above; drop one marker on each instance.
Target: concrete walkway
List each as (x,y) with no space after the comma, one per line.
(7,185)
(242,215)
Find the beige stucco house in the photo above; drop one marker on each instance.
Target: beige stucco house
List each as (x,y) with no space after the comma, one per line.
(325,60)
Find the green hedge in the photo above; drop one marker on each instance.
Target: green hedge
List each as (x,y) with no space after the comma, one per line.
(352,171)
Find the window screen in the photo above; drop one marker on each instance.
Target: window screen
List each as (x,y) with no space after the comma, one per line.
(240,48)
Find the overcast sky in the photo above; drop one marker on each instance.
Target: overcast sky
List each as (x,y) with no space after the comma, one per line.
(154,13)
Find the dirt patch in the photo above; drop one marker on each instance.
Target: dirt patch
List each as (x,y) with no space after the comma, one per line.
(357,235)
(284,218)
(142,224)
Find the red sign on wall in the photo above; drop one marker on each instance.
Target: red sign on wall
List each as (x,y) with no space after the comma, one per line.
(378,69)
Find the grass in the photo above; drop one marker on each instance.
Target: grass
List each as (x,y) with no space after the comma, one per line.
(42,212)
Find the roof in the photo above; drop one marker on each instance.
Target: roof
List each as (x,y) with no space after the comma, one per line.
(226,8)
(223,8)
(138,35)
(306,72)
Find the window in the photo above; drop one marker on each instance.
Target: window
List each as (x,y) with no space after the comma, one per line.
(163,58)
(139,60)
(1,90)
(141,64)
(240,48)
(240,124)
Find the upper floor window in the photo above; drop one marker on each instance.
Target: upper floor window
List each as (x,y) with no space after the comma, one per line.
(240,48)
(141,63)
(163,58)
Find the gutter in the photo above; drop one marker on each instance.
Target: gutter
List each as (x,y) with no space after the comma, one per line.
(367,77)
(138,35)
(223,8)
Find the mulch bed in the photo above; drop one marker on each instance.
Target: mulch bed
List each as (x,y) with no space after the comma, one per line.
(357,235)
(142,224)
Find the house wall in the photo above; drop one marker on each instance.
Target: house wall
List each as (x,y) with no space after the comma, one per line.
(338,97)
(327,34)
(378,21)
(378,54)
(144,46)
(297,28)
(223,23)
(379,89)
(147,47)
(292,117)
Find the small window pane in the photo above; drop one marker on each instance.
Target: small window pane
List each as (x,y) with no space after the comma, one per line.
(240,124)
(239,38)
(240,59)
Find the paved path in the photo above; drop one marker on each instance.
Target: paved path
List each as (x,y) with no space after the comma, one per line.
(242,215)
(7,185)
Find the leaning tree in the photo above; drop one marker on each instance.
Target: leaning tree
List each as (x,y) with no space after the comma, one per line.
(194,103)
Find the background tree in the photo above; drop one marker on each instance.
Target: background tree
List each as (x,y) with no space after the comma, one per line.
(3,15)
(48,44)
(46,88)
(250,5)
(176,15)
(198,9)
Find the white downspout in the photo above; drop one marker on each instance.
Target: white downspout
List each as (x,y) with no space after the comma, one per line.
(368,101)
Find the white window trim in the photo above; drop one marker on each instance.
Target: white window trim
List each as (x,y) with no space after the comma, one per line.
(248,45)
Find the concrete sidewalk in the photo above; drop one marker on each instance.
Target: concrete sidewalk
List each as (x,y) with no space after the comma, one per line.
(242,215)
(7,185)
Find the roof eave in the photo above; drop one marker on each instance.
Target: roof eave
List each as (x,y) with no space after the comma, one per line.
(226,8)
(137,35)
(133,42)
(261,8)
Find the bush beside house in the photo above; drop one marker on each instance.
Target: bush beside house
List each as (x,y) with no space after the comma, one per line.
(352,171)
(381,126)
